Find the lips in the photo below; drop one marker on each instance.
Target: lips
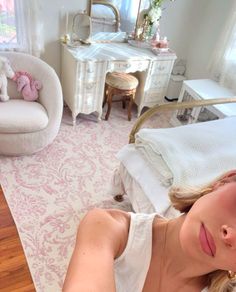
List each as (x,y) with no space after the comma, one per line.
(206,241)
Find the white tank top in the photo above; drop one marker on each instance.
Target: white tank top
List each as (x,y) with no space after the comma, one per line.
(131,267)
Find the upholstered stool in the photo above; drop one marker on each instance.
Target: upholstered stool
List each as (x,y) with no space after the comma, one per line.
(120,84)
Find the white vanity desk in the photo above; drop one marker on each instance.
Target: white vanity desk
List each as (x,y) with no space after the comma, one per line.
(84,72)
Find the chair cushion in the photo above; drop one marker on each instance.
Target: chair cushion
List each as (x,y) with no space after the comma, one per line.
(121,80)
(20,116)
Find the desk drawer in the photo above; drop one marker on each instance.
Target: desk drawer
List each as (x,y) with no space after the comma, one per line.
(161,67)
(90,87)
(158,81)
(86,103)
(128,66)
(90,70)
(86,87)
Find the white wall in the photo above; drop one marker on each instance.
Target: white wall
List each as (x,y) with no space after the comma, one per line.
(193,28)
(175,24)
(54,26)
(205,35)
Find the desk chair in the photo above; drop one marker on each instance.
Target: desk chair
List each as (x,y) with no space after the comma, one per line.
(120,84)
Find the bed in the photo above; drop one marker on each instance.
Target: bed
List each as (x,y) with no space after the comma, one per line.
(153,161)
(105,16)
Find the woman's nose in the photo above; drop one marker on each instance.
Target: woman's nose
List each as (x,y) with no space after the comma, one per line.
(228,235)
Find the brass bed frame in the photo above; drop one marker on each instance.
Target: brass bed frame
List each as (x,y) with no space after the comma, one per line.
(174,106)
(171,107)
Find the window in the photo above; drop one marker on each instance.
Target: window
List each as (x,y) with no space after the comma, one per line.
(8,31)
(20,27)
(223,60)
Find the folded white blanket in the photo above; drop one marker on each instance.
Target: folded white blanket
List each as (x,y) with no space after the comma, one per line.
(190,155)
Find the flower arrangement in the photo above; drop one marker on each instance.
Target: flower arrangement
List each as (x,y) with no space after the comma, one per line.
(151,18)
(148,25)
(154,13)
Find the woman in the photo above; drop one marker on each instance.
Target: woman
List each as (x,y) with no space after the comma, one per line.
(119,251)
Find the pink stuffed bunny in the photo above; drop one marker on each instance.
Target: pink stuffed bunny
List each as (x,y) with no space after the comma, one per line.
(27,85)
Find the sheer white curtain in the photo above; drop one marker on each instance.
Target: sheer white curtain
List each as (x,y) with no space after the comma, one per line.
(223,62)
(28,26)
(31,26)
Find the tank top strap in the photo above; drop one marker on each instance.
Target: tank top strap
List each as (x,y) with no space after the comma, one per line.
(132,265)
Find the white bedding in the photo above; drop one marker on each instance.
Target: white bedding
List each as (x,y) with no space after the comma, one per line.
(144,189)
(190,155)
(213,154)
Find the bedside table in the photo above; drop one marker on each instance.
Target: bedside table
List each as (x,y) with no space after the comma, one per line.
(203,89)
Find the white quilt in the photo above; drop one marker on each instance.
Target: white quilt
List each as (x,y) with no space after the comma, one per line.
(190,155)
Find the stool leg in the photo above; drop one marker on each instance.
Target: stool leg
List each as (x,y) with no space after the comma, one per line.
(105,96)
(124,102)
(109,101)
(130,106)
(104,101)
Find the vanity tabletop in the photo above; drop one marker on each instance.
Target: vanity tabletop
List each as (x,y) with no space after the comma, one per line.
(116,51)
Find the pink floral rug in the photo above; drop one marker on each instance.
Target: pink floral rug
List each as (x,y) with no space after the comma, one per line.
(49,192)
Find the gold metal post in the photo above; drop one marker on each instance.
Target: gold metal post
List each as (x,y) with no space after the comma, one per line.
(174,106)
(137,19)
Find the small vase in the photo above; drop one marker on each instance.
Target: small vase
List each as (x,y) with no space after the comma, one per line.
(153,32)
(156,31)
(149,31)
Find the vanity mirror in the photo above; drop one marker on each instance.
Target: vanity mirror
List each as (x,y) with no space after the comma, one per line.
(115,15)
(81,28)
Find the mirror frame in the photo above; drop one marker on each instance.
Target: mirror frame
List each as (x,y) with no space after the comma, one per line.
(107,3)
(74,31)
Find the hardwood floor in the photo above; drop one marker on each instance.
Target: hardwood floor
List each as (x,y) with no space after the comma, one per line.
(14,271)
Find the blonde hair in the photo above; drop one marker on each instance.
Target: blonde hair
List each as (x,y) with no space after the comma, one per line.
(182,199)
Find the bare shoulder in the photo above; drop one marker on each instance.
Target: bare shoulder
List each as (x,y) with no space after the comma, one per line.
(107,226)
(111,217)
(101,237)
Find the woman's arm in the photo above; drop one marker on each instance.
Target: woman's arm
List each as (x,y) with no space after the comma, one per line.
(102,236)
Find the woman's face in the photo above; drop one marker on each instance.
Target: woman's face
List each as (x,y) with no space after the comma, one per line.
(209,230)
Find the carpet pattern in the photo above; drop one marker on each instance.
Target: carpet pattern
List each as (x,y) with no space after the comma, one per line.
(49,192)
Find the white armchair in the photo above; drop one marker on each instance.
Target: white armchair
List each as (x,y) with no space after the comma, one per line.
(27,127)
